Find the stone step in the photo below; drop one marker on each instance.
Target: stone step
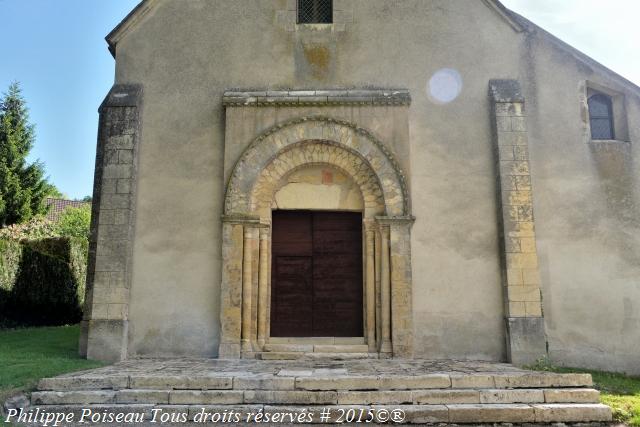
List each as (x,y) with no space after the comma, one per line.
(189,415)
(305,397)
(316,348)
(315,379)
(315,355)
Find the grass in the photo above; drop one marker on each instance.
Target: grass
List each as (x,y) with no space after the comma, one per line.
(620,392)
(26,355)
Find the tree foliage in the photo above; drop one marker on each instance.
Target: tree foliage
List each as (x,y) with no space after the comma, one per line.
(74,222)
(23,186)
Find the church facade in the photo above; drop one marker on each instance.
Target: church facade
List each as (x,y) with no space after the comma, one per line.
(434,179)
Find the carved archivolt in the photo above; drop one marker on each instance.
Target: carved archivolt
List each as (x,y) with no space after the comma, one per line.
(317,140)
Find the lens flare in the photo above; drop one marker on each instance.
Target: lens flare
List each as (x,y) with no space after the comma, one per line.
(444,86)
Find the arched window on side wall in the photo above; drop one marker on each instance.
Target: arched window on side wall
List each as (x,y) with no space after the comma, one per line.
(601,117)
(315,11)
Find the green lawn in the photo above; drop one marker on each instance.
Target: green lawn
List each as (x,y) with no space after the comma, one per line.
(619,391)
(26,355)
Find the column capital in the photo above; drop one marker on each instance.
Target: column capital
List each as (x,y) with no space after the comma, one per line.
(396,220)
(242,219)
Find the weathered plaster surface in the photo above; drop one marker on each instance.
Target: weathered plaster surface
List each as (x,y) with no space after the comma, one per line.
(188,53)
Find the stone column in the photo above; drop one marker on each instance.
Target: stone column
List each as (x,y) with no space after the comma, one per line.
(231,289)
(521,278)
(250,245)
(370,288)
(263,284)
(385,291)
(105,322)
(401,286)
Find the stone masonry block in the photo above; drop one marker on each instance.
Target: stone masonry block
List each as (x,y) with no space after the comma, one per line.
(533,308)
(291,397)
(117,171)
(267,383)
(531,276)
(109,186)
(83,397)
(125,157)
(513,138)
(120,142)
(123,186)
(524,293)
(517,309)
(527,339)
(104,263)
(522,260)
(513,413)
(109,232)
(337,383)
(374,397)
(206,397)
(511,396)
(117,311)
(154,397)
(472,381)
(518,124)
(436,397)
(84,383)
(414,382)
(572,413)
(114,201)
(572,395)
(514,277)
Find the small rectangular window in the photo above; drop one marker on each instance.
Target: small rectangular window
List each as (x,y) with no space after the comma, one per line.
(315,11)
(601,116)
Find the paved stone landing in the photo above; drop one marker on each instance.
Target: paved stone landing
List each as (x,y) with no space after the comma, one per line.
(427,391)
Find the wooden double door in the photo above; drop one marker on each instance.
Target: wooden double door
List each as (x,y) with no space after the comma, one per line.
(316,274)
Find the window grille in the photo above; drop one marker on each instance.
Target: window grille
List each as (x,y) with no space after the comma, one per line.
(601,117)
(315,11)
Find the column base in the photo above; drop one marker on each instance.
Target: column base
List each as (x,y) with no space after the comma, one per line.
(106,339)
(526,340)
(229,351)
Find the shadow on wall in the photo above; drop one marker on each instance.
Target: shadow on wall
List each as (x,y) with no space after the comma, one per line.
(41,282)
(614,163)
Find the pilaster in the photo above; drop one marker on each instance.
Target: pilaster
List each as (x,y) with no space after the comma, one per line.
(105,323)
(521,277)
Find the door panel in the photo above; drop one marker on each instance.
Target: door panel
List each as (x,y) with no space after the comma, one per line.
(316,274)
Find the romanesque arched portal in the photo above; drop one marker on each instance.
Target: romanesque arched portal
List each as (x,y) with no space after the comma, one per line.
(259,173)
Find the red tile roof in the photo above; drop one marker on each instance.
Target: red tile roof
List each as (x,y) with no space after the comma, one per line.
(57,206)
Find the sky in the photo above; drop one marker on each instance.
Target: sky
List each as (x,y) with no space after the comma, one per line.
(56,50)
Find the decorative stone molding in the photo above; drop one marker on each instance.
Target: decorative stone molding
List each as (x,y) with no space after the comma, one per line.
(521,276)
(307,153)
(293,98)
(337,132)
(105,323)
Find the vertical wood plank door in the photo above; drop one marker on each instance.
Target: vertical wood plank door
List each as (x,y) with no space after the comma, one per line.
(316,274)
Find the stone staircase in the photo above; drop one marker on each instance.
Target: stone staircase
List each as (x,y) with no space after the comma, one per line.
(303,390)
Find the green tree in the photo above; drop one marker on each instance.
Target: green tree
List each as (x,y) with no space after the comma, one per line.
(74,222)
(23,186)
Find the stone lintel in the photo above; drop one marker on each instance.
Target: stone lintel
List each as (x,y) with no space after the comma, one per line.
(317,97)
(506,91)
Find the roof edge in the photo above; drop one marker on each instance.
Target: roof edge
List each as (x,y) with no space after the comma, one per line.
(505,14)
(127,23)
(545,35)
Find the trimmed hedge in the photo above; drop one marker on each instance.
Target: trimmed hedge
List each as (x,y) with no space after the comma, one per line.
(42,282)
